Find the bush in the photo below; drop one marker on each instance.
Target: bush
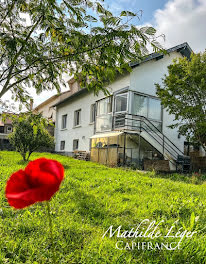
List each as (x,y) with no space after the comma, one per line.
(30,133)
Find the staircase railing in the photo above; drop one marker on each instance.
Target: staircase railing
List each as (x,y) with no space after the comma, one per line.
(142,125)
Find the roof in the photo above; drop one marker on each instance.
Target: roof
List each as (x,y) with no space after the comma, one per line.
(183,48)
(82,91)
(49,100)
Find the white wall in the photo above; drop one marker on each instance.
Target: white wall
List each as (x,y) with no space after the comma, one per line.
(144,76)
(86,130)
(141,79)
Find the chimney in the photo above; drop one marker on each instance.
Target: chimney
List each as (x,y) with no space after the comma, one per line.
(31,104)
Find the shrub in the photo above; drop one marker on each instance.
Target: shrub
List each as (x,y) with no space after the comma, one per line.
(30,133)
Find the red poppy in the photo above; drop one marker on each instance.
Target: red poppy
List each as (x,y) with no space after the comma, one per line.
(38,182)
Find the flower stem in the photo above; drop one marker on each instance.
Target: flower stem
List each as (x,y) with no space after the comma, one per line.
(51,232)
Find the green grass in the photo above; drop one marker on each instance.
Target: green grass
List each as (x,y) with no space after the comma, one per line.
(91,199)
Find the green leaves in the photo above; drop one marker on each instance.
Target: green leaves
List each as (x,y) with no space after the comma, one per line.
(183,93)
(67,35)
(127,13)
(30,133)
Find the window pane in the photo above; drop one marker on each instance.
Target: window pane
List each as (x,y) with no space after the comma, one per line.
(62,145)
(158,125)
(92,113)
(104,106)
(104,123)
(77,117)
(154,109)
(75,144)
(64,121)
(121,103)
(139,105)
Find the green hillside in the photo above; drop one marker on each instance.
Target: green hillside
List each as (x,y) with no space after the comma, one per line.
(91,199)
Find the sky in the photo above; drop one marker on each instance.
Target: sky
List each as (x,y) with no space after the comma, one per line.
(179,20)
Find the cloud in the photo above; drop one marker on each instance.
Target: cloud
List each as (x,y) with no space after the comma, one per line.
(183,21)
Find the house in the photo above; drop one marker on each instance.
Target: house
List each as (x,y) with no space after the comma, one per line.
(130,126)
(5,129)
(46,108)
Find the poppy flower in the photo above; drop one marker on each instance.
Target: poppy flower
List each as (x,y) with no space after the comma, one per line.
(38,182)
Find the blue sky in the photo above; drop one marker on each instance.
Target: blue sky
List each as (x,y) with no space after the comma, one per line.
(147,6)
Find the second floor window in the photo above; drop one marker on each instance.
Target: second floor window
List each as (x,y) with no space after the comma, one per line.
(92,113)
(77,117)
(64,121)
(104,106)
(121,102)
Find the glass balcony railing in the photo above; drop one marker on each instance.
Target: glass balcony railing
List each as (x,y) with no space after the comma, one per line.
(104,123)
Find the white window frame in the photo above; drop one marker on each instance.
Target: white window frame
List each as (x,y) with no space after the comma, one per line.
(76,140)
(75,117)
(64,116)
(92,113)
(63,145)
(119,112)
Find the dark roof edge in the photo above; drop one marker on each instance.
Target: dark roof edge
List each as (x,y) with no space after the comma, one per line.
(82,91)
(183,48)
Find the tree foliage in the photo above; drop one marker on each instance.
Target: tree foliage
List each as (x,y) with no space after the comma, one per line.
(183,93)
(42,39)
(29,134)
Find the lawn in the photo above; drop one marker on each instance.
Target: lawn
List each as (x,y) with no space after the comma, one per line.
(91,199)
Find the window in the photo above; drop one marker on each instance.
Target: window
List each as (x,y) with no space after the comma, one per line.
(154,109)
(148,107)
(104,106)
(104,115)
(9,129)
(77,117)
(1,129)
(104,123)
(75,144)
(140,105)
(121,102)
(92,113)
(62,145)
(64,121)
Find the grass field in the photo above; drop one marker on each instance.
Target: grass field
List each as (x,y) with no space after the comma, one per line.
(91,199)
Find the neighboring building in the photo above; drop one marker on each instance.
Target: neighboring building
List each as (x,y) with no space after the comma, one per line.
(128,127)
(5,129)
(46,107)
(48,111)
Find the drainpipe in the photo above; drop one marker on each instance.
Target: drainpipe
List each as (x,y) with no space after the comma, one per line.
(124,157)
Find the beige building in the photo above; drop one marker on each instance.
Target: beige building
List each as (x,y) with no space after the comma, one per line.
(47,109)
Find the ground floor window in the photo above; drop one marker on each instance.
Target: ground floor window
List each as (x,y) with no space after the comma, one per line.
(62,145)
(75,144)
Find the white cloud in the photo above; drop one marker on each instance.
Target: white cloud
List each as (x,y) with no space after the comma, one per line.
(183,21)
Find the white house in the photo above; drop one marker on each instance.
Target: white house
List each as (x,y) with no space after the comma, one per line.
(129,126)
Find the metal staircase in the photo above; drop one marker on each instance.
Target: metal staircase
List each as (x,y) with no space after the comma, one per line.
(144,127)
